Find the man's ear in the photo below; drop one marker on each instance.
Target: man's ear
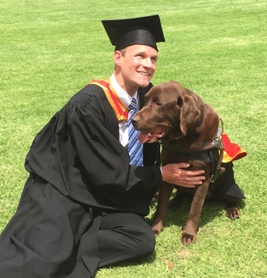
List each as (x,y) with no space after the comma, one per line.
(117,57)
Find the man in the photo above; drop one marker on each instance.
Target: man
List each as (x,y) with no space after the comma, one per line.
(81,205)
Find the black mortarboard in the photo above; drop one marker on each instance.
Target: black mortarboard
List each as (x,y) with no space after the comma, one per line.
(139,30)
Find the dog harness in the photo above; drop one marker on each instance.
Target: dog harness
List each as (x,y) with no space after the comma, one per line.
(215,152)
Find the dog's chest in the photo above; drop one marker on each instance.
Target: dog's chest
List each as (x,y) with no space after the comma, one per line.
(176,154)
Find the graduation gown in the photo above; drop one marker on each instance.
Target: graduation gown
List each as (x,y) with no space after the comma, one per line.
(78,170)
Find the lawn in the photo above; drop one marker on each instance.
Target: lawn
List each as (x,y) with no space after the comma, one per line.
(217,48)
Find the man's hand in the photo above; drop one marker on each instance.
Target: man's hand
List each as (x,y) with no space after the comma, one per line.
(177,174)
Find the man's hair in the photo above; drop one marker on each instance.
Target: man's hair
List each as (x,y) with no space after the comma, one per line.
(123,51)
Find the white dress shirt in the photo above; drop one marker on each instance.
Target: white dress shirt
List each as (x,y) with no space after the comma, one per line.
(126,100)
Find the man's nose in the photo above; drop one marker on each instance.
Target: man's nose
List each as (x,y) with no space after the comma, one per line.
(147,63)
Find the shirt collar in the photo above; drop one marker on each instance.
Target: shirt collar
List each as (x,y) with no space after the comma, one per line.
(125,98)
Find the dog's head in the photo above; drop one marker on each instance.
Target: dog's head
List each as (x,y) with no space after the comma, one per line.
(170,112)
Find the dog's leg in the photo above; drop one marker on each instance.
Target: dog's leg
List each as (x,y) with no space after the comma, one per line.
(163,201)
(189,234)
(177,201)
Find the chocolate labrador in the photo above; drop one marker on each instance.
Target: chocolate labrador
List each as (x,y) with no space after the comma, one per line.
(188,130)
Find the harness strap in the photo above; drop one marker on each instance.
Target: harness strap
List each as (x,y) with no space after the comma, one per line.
(219,170)
(218,143)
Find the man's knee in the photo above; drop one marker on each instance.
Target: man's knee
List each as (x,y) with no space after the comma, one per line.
(123,237)
(146,244)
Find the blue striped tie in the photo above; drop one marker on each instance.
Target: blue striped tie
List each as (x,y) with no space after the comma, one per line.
(135,147)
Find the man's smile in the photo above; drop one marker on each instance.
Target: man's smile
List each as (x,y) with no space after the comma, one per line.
(144,73)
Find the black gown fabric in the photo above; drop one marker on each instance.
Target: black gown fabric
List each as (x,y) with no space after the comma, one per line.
(78,171)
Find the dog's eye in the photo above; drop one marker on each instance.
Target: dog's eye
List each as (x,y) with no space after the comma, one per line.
(156,101)
(180,101)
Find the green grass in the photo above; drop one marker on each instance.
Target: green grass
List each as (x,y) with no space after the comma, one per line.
(217,48)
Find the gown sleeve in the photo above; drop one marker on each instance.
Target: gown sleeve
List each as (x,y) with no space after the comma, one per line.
(79,153)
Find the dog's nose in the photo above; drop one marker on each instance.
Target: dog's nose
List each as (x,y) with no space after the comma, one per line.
(134,120)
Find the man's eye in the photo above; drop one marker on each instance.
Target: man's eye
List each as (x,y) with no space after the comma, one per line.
(140,56)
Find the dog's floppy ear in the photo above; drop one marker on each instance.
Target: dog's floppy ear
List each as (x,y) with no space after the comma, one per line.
(189,115)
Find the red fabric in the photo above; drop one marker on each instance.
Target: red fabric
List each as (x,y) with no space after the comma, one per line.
(118,108)
(231,150)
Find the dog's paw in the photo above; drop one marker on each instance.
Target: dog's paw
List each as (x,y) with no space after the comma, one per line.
(157,227)
(188,238)
(233,213)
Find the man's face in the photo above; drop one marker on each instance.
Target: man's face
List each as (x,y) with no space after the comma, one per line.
(137,64)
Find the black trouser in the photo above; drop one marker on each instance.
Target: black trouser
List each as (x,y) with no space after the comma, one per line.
(53,236)
(124,236)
